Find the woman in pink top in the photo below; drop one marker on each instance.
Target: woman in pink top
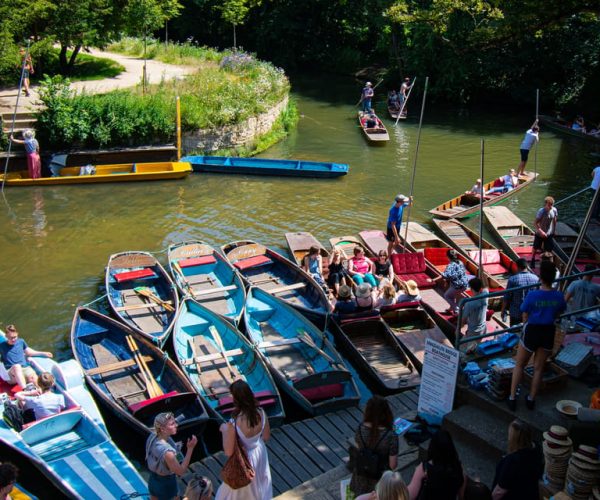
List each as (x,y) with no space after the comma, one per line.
(361,269)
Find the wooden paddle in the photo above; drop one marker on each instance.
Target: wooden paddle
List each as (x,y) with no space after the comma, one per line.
(153,384)
(149,389)
(220,345)
(185,282)
(146,292)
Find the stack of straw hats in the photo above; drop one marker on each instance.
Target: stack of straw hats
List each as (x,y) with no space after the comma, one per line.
(583,473)
(557,448)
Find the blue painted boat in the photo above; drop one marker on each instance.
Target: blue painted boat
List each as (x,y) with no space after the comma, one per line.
(73,448)
(201,272)
(265,166)
(302,361)
(266,269)
(201,340)
(124,382)
(141,294)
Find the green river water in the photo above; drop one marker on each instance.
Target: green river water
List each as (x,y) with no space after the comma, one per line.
(55,241)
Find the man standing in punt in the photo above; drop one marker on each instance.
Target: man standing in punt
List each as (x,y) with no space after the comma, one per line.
(545,228)
(394,222)
(532,136)
(367,97)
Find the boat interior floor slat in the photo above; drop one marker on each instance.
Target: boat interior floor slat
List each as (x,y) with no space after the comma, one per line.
(287,359)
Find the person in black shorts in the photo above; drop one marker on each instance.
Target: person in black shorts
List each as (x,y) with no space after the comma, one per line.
(545,228)
(540,309)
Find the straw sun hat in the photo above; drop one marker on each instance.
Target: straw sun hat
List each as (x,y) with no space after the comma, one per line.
(363,291)
(558,435)
(411,287)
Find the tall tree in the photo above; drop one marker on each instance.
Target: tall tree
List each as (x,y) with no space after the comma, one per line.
(236,12)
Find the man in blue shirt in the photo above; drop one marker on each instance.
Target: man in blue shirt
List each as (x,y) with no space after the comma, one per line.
(13,353)
(513,300)
(366,97)
(394,222)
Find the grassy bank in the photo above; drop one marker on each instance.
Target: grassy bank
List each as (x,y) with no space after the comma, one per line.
(227,89)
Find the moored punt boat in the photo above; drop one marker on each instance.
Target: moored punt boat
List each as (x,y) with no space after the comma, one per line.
(495,262)
(299,244)
(201,272)
(262,267)
(564,244)
(374,240)
(131,376)
(266,166)
(377,352)
(347,244)
(213,353)
(564,127)
(141,294)
(467,204)
(377,134)
(412,325)
(394,112)
(73,448)
(124,172)
(303,362)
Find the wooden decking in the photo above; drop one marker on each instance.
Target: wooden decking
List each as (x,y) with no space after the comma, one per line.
(303,450)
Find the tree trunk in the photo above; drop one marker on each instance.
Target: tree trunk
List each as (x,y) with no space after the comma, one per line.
(62,59)
(234,38)
(73,57)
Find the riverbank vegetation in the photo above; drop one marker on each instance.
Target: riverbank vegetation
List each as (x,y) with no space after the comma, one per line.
(210,98)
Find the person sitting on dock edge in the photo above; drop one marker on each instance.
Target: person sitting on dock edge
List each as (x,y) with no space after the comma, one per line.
(532,136)
(394,222)
(13,353)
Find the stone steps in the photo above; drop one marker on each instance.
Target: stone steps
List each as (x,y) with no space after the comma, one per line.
(22,122)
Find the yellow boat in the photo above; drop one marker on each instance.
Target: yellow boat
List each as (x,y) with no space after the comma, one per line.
(124,172)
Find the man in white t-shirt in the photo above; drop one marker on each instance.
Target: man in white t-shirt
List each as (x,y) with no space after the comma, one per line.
(532,136)
(595,185)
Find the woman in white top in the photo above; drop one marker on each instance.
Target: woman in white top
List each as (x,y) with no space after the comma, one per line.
(42,402)
(252,427)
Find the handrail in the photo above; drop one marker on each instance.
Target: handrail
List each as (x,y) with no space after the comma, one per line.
(458,340)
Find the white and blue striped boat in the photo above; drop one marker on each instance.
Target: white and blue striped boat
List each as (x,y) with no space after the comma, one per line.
(73,448)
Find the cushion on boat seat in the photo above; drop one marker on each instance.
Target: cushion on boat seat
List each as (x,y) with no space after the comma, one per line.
(521,251)
(437,256)
(197,261)
(495,269)
(257,260)
(264,398)
(408,262)
(322,392)
(135,407)
(421,279)
(488,256)
(441,267)
(134,275)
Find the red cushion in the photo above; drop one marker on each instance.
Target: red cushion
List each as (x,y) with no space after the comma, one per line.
(264,398)
(498,183)
(437,256)
(197,261)
(323,392)
(257,260)
(495,269)
(408,262)
(134,275)
(488,256)
(523,250)
(422,279)
(135,407)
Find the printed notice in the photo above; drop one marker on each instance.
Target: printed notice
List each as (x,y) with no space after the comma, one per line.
(438,381)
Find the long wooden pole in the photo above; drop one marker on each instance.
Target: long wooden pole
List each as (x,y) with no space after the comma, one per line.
(405,100)
(178,128)
(481,173)
(412,180)
(537,117)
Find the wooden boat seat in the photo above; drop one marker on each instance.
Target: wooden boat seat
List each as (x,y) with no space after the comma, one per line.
(211,357)
(214,376)
(135,275)
(277,343)
(411,266)
(491,260)
(119,365)
(145,305)
(196,261)
(210,291)
(323,385)
(292,362)
(287,288)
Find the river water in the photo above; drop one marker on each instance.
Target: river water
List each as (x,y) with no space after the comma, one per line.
(55,241)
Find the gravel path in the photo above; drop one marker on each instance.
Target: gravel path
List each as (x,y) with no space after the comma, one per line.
(156,71)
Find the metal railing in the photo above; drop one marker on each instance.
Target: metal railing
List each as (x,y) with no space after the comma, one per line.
(463,340)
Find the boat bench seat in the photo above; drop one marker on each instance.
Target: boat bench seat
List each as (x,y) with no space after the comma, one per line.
(134,408)
(197,261)
(134,275)
(400,305)
(264,398)
(411,266)
(523,251)
(250,262)
(492,260)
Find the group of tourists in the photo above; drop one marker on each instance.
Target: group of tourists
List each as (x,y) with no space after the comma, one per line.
(440,476)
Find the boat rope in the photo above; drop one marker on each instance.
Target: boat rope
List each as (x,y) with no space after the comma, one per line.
(572,195)
(14,117)
(95,300)
(412,180)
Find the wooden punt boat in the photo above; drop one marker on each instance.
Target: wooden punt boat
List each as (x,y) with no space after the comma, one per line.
(302,361)
(412,325)
(564,244)
(204,274)
(141,294)
(262,267)
(72,448)
(347,244)
(299,244)
(123,172)
(495,262)
(266,166)
(134,386)
(377,352)
(374,240)
(564,127)
(201,340)
(466,205)
(394,112)
(375,135)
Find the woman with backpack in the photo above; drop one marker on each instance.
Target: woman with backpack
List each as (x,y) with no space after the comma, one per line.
(377,446)
(441,476)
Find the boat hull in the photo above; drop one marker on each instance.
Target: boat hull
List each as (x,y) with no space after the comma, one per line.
(377,135)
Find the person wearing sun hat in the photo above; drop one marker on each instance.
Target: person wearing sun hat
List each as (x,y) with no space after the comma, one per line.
(345,304)
(366,97)
(394,222)
(365,300)
(411,292)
